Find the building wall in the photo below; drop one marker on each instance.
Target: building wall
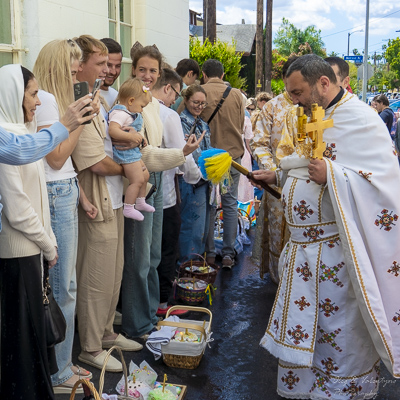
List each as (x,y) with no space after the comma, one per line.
(46,20)
(166,24)
(161,22)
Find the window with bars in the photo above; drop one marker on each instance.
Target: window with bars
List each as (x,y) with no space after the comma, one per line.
(120,15)
(6,36)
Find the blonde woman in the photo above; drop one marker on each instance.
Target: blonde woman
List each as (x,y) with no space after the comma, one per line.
(55,70)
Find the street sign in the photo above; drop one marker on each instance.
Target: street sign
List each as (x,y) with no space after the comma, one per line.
(360,71)
(356,59)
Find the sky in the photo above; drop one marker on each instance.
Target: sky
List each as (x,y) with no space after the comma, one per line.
(335,19)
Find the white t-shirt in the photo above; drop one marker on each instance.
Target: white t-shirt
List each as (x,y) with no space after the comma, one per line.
(114,183)
(47,114)
(173,137)
(109,95)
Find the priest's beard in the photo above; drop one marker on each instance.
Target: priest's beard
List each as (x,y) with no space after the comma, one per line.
(315,97)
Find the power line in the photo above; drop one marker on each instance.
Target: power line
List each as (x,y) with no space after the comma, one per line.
(359,26)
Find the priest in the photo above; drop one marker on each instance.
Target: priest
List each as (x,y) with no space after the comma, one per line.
(337,310)
(272,233)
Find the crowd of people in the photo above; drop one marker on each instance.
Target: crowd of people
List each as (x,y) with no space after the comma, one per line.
(109,242)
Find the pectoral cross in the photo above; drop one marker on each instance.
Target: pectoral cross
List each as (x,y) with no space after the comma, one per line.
(315,130)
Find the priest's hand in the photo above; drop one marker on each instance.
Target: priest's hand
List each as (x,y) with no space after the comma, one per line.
(268,177)
(317,171)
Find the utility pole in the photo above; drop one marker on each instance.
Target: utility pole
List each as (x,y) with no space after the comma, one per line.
(365,66)
(259,46)
(268,47)
(210,20)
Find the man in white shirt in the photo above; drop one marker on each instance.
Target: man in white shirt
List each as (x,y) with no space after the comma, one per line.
(114,70)
(166,91)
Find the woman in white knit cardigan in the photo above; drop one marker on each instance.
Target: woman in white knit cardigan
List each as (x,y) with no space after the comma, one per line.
(26,238)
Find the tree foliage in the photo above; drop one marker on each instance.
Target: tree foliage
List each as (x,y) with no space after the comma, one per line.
(384,78)
(288,39)
(221,51)
(392,55)
(353,77)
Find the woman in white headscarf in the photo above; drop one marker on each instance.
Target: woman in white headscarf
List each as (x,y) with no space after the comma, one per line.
(25,240)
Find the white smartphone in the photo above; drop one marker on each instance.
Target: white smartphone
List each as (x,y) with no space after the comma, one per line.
(96,86)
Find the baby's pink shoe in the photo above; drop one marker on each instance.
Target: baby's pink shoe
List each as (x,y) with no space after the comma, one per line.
(130,212)
(143,206)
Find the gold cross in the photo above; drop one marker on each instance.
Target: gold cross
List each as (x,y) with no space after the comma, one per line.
(315,130)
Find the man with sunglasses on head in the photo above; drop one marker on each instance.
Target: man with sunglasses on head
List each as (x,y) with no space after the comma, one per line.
(226,133)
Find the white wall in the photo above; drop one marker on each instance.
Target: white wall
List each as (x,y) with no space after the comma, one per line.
(46,20)
(161,22)
(164,23)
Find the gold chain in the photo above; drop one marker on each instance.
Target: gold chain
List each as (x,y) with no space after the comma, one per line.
(339,103)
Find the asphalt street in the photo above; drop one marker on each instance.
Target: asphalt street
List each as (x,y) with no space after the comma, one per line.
(235,367)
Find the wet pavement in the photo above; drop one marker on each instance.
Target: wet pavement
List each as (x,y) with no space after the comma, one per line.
(235,367)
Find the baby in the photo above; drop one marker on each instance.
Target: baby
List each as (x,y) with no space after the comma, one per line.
(132,97)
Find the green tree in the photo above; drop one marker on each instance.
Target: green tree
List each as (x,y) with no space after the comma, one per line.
(288,39)
(221,51)
(392,55)
(333,54)
(353,77)
(356,52)
(382,77)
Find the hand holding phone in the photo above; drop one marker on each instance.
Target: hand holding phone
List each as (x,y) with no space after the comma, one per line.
(81,89)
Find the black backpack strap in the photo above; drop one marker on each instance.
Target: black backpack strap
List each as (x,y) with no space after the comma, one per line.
(219,105)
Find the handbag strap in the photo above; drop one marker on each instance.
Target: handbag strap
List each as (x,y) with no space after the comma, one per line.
(219,105)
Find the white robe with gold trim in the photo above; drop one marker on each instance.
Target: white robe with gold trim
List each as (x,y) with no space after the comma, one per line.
(337,309)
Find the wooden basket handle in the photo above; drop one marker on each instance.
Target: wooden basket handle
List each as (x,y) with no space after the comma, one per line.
(89,385)
(124,369)
(191,308)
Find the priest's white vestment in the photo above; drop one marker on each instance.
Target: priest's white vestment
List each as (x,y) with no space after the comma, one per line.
(337,308)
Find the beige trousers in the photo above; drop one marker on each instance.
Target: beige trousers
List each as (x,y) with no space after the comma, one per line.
(99,273)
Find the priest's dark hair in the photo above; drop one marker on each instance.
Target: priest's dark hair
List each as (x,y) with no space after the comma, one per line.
(343,67)
(287,64)
(312,67)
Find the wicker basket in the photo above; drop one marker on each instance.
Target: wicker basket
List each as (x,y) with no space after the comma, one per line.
(85,382)
(175,354)
(192,297)
(101,383)
(208,277)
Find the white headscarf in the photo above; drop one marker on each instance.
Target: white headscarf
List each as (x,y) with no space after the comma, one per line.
(11,99)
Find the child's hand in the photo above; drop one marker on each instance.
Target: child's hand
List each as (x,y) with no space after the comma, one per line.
(144,142)
(137,138)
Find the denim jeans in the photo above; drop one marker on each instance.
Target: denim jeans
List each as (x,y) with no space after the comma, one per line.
(230,215)
(63,201)
(169,250)
(142,252)
(195,210)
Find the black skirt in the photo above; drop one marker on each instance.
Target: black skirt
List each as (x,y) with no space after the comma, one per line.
(25,371)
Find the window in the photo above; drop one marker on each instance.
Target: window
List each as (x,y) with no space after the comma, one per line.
(10,39)
(121,29)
